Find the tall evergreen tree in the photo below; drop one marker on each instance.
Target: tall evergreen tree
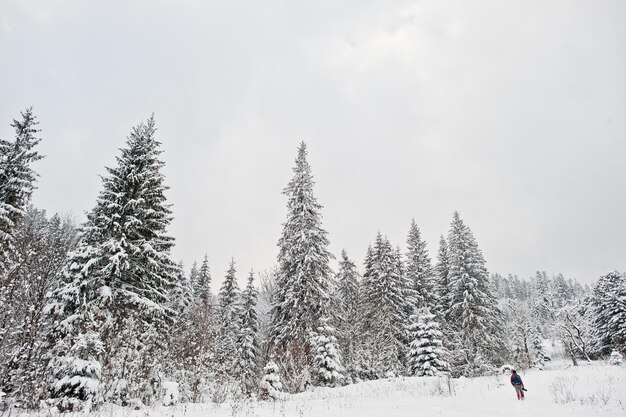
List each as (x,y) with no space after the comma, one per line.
(202,286)
(384,308)
(419,270)
(117,282)
(473,312)
(348,304)
(304,280)
(229,295)
(193,275)
(229,299)
(17,181)
(195,357)
(442,271)
(347,279)
(248,350)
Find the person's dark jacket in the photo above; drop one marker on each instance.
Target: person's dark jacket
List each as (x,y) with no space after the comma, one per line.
(516,379)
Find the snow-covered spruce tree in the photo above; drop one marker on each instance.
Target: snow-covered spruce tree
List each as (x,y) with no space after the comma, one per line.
(193,350)
(362,364)
(304,279)
(229,313)
(193,275)
(442,272)
(248,351)
(181,294)
(409,294)
(609,314)
(202,285)
(17,183)
(384,306)
(427,356)
(419,270)
(347,302)
(270,387)
(473,312)
(116,283)
(327,364)
(539,355)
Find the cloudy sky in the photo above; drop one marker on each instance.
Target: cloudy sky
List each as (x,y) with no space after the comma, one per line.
(511,112)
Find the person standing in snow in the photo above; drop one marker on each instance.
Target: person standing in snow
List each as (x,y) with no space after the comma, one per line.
(517,383)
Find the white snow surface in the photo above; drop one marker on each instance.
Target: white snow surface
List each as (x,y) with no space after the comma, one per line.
(596,389)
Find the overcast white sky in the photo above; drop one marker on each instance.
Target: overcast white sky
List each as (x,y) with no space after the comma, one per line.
(512,112)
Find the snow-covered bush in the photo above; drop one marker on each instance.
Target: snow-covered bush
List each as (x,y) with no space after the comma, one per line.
(78,375)
(426,354)
(506,368)
(616,358)
(3,406)
(328,369)
(170,393)
(270,387)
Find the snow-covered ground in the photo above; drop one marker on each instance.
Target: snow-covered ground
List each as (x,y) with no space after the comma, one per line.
(590,389)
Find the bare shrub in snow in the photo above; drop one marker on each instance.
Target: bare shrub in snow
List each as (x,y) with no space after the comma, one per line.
(564,389)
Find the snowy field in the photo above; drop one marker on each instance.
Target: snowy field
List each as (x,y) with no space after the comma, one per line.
(589,390)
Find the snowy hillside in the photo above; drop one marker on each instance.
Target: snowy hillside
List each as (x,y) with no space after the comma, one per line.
(591,389)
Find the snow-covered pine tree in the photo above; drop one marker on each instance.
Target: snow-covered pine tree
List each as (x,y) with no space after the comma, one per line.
(202,287)
(609,314)
(327,369)
(248,351)
(442,272)
(229,296)
(427,356)
(17,183)
(270,387)
(116,283)
(193,275)
(181,295)
(409,294)
(419,270)
(562,290)
(229,314)
(384,333)
(195,355)
(539,355)
(362,363)
(473,312)
(347,296)
(304,279)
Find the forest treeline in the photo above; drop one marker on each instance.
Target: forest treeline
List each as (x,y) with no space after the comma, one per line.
(100,312)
